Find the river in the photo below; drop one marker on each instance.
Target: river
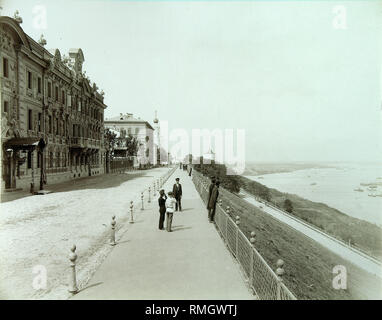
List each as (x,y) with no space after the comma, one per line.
(334,187)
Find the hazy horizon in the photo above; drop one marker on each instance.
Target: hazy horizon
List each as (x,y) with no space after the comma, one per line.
(302,90)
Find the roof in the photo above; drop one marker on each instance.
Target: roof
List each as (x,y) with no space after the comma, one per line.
(127,118)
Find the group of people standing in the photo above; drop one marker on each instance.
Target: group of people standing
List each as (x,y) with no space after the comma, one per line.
(168,205)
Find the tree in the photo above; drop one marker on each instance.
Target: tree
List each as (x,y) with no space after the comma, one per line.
(132,145)
(288,206)
(110,139)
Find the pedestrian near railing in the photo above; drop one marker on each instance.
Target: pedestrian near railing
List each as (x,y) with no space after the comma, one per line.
(266,283)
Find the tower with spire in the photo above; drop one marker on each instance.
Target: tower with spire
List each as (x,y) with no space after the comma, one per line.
(157,133)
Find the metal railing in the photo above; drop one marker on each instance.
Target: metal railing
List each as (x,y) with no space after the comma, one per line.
(267,284)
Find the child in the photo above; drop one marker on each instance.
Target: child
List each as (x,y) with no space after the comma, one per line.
(170,205)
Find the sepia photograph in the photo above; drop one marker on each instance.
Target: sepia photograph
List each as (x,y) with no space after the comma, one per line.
(215,151)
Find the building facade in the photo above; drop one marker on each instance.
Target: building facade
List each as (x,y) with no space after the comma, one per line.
(126,124)
(51,114)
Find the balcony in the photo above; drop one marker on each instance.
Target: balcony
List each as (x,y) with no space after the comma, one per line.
(77,142)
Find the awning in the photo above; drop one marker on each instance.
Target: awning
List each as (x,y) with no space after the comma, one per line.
(28,143)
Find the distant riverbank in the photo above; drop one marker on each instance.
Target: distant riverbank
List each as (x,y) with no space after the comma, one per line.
(265,168)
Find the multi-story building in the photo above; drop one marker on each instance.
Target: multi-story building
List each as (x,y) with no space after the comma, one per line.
(126,124)
(51,115)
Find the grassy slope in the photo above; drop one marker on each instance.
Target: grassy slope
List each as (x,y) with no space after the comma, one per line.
(308,265)
(363,234)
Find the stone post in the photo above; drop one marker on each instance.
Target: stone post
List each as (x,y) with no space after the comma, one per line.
(112,233)
(237,234)
(280,272)
(252,240)
(142,200)
(149,195)
(72,277)
(131,212)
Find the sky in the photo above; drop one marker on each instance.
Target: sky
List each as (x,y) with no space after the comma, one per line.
(303,84)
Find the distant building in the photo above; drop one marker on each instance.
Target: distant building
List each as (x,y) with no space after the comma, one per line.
(51,116)
(209,157)
(127,124)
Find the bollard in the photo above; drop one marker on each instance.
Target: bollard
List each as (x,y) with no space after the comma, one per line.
(131,212)
(73,281)
(226,221)
(237,234)
(149,195)
(280,272)
(112,234)
(154,188)
(252,239)
(142,200)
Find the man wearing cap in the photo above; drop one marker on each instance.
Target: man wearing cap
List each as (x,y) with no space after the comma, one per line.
(177,191)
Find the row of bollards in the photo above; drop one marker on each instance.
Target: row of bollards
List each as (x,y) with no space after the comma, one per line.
(73,255)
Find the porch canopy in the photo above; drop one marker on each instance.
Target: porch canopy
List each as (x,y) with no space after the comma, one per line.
(28,143)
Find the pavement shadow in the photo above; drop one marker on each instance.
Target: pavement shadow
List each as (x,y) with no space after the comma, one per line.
(90,286)
(180,228)
(103,181)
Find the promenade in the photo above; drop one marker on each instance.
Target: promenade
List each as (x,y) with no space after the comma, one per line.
(191,262)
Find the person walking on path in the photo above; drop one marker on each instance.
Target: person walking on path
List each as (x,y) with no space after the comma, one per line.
(177,191)
(162,208)
(170,210)
(189,174)
(212,202)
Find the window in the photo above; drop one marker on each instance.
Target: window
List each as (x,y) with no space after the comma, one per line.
(39,122)
(30,120)
(57,127)
(50,124)
(39,159)
(136,130)
(49,90)
(29,160)
(6,106)
(58,159)
(39,84)
(29,75)
(5,67)
(56,93)
(50,159)
(63,97)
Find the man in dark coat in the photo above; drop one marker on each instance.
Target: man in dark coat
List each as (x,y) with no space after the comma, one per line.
(162,208)
(212,202)
(210,188)
(177,191)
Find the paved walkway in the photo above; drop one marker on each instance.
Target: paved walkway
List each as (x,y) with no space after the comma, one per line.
(191,262)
